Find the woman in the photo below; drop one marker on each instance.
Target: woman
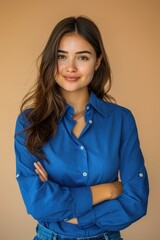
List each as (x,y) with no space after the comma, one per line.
(72,143)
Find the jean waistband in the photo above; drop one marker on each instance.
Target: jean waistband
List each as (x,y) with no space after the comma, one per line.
(47,234)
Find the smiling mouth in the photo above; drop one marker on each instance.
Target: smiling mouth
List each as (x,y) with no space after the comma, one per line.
(71,79)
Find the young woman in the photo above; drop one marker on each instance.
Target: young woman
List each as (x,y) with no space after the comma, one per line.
(72,143)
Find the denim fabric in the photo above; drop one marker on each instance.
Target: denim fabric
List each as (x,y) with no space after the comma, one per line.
(46,234)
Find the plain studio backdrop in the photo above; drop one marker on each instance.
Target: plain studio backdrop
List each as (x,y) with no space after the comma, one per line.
(131,34)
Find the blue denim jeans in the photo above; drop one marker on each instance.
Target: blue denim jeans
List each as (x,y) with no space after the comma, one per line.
(46,234)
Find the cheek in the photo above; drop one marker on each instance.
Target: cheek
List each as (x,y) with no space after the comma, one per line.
(88,72)
(60,67)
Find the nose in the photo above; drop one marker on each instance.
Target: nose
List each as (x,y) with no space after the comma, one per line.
(71,66)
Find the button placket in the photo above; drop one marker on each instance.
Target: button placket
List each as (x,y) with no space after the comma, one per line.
(82,147)
(88,118)
(83,164)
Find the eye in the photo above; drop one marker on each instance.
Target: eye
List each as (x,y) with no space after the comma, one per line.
(61,57)
(84,58)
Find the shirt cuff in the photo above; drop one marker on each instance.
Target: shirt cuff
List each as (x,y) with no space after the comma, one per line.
(87,220)
(82,199)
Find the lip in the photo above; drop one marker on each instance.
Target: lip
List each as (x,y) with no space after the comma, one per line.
(71,78)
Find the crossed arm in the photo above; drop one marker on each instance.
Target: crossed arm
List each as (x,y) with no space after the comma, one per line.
(100,193)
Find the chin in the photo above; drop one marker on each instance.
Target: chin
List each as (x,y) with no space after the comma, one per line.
(70,88)
(73,89)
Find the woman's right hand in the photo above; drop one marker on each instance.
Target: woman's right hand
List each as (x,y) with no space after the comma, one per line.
(41,172)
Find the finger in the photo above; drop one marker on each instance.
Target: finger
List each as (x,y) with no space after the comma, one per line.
(44,174)
(41,170)
(40,176)
(40,165)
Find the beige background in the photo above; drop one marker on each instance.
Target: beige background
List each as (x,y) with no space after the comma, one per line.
(131,33)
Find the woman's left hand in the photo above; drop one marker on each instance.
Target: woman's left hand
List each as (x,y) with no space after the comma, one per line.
(41,172)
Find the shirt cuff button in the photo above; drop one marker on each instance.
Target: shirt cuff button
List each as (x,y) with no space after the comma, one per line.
(141,174)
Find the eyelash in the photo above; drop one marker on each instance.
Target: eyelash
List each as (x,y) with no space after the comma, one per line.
(84,58)
(63,57)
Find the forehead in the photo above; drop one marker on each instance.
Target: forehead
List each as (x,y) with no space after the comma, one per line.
(74,42)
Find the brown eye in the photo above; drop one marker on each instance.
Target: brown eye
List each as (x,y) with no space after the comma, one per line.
(61,57)
(84,58)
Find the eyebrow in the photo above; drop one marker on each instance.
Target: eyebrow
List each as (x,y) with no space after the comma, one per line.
(79,52)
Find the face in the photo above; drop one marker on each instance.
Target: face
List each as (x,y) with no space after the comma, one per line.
(77,62)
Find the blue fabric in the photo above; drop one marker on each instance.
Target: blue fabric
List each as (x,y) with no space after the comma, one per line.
(46,234)
(107,145)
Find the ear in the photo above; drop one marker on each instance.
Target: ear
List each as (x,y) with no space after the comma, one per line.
(98,62)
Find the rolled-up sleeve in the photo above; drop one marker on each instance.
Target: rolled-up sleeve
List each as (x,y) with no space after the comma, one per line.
(48,200)
(131,205)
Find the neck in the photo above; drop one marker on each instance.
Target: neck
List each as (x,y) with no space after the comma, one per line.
(77,99)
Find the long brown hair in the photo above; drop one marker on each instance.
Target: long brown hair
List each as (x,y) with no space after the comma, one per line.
(46,103)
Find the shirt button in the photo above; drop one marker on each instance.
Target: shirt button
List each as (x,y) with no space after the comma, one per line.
(84,174)
(81,147)
(90,121)
(141,174)
(87,107)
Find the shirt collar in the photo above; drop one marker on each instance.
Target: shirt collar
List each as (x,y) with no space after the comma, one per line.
(103,107)
(69,110)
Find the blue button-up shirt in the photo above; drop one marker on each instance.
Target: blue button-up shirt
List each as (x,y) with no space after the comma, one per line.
(107,148)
